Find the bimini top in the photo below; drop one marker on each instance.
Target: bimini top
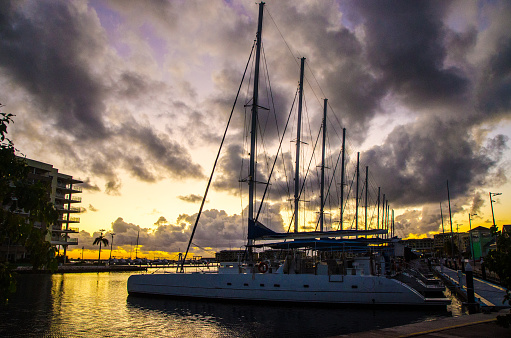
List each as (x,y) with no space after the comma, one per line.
(258,231)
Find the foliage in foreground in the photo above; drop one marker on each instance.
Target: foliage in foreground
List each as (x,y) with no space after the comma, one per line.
(25,212)
(499,261)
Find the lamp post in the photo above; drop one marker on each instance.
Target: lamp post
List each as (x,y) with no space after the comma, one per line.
(471,244)
(111,246)
(459,243)
(493,215)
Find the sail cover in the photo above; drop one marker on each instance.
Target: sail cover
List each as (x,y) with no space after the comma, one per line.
(258,231)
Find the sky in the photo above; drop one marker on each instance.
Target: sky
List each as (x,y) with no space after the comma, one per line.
(132,97)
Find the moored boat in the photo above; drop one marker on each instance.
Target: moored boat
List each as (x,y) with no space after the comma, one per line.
(321,267)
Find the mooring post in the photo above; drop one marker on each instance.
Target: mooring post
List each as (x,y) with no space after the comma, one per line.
(470,289)
(483,269)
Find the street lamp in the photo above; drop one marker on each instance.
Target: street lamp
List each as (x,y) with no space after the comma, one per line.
(491,203)
(111,246)
(459,244)
(471,244)
(493,215)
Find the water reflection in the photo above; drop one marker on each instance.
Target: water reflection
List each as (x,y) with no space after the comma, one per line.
(97,305)
(234,319)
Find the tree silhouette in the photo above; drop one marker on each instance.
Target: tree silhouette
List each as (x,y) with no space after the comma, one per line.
(26,212)
(100,240)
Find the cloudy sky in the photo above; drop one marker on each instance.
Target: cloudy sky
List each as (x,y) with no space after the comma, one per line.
(132,97)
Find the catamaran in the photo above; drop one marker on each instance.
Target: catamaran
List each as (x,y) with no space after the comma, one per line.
(330,267)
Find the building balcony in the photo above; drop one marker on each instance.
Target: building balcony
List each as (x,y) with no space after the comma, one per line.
(70,230)
(68,199)
(70,241)
(66,219)
(66,209)
(68,188)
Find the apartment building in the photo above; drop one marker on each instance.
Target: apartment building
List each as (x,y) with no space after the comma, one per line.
(482,241)
(423,245)
(62,191)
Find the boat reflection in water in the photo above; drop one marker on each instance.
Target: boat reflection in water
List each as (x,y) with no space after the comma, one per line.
(97,305)
(187,318)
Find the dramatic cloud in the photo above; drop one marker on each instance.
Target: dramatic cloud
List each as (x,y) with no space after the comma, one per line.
(229,233)
(67,69)
(116,89)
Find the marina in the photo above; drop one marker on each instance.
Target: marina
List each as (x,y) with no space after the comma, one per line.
(97,304)
(209,140)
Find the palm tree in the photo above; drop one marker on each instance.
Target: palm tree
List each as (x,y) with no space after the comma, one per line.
(100,240)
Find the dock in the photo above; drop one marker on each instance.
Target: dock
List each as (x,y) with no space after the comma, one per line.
(489,296)
(476,325)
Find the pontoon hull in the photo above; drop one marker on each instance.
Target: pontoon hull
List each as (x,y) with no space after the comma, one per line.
(334,289)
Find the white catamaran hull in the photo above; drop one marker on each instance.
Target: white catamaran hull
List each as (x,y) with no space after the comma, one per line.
(303,288)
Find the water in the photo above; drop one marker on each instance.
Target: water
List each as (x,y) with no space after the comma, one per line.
(98,305)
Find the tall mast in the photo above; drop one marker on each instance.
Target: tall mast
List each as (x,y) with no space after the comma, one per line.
(443,230)
(367,185)
(356,193)
(450,218)
(253,130)
(342,175)
(321,212)
(393,229)
(383,213)
(298,141)
(378,213)
(387,220)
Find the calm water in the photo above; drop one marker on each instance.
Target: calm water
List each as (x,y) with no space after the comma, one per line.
(97,305)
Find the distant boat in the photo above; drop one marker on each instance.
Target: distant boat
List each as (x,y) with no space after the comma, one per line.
(357,273)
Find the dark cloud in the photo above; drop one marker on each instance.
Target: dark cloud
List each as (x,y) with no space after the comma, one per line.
(58,52)
(88,185)
(113,187)
(162,152)
(416,161)
(192,198)
(495,86)
(49,55)
(405,45)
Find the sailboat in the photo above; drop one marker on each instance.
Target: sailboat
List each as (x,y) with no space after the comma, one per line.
(294,277)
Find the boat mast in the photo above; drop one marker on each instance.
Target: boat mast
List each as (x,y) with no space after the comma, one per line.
(253,130)
(383,212)
(387,220)
(321,212)
(378,213)
(443,230)
(392,224)
(342,175)
(356,193)
(366,187)
(136,248)
(298,132)
(450,218)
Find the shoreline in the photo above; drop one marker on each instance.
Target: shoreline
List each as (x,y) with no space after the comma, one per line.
(81,269)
